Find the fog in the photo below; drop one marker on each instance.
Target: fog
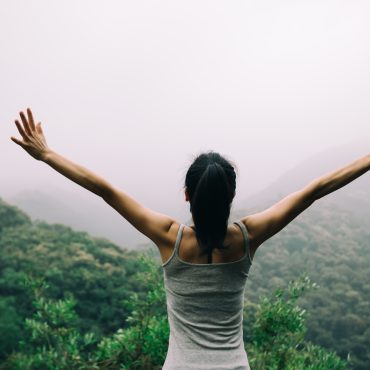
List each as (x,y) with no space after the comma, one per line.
(134,89)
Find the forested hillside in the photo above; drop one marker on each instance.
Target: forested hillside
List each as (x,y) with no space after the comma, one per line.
(95,271)
(332,246)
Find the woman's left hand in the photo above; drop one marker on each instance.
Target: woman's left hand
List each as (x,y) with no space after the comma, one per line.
(34,142)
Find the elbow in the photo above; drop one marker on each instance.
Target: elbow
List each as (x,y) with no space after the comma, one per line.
(314,190)
(323,187)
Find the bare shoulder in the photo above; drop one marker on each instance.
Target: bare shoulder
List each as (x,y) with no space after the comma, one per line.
(249,223)
(166,246)
(191,252)
(172,233)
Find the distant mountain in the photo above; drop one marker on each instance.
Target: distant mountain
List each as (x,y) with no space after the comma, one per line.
(354,197)
(82,212)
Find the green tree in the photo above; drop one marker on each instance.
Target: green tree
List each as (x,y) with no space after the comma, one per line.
(11,216)
(278,334)
(143,345)
(53,341)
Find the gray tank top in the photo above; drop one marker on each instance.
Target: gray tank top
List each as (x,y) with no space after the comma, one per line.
(205,311)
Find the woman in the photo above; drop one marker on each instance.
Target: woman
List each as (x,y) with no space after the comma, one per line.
(205,266)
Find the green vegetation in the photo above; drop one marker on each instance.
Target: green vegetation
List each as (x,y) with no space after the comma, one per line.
(333,247)
(96,272)
(100,307)
(53,340)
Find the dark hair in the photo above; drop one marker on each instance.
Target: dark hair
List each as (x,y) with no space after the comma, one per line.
(210,182)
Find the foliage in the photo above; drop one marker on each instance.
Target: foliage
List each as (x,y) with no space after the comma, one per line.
(143,345)
(278,334)
(53,340)
(11,216)
(333,247)
(95,271)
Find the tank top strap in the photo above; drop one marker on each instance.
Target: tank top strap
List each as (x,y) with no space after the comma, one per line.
(246,239)
(175,251)
(178,239)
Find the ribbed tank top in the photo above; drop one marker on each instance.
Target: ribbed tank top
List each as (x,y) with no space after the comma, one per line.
(205,311)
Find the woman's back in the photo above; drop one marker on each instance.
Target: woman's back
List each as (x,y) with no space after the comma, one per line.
(205,309)
(189,250)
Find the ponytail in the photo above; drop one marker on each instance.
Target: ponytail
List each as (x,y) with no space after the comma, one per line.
(210,199)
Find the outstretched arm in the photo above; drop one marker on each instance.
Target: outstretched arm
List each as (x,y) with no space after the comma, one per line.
(152,224)
(263,225)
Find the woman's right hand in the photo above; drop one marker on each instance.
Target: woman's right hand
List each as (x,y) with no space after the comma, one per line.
(34,142)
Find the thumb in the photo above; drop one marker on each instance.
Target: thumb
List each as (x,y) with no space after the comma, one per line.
(19,142)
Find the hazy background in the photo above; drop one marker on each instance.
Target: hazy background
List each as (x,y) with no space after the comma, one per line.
(134,89)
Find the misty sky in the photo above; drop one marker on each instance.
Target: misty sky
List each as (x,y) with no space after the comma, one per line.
(134,89)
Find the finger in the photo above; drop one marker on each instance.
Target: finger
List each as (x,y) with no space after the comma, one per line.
(30,119)
(25,123)
(17,141)
(20,129)
(39,128)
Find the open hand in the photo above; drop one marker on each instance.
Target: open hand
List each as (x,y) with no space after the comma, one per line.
(33,142)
